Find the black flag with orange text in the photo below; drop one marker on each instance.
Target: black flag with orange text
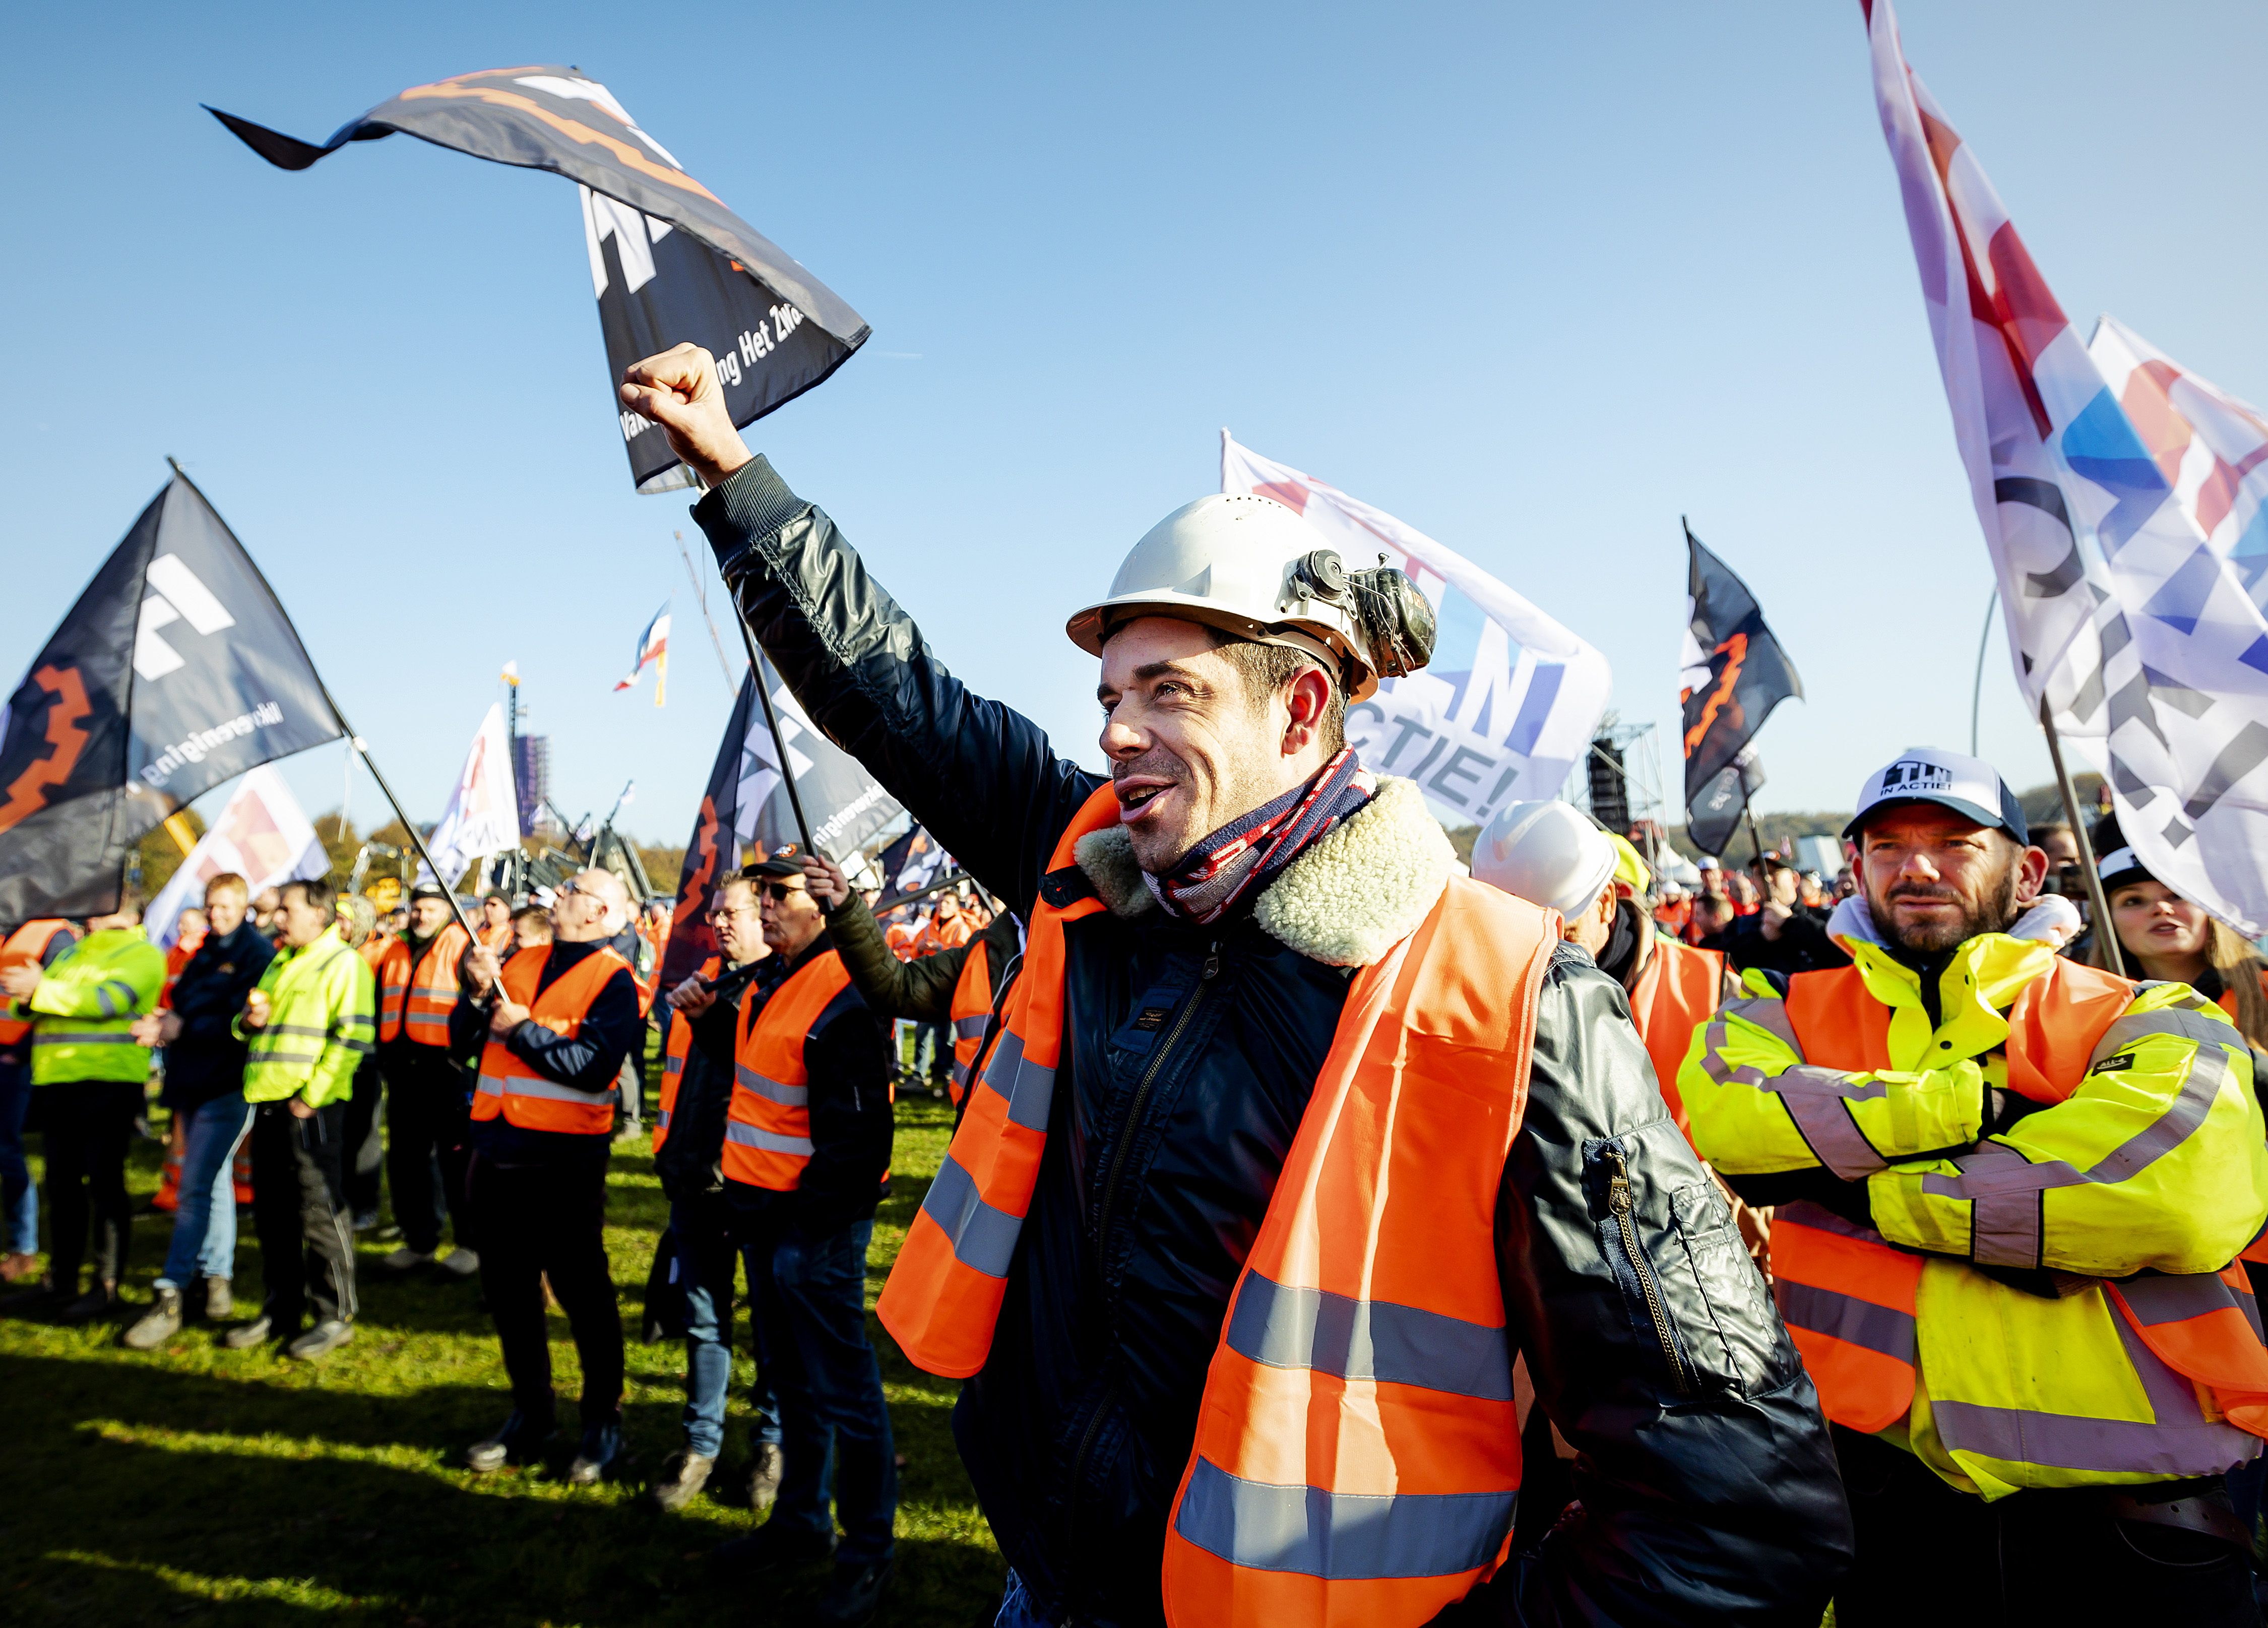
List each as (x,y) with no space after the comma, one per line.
(177,669)
(1734,671)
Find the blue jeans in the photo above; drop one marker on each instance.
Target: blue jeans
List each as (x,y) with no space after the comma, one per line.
(831,1391)
(19,1196)
(707,1260)
(204,1227)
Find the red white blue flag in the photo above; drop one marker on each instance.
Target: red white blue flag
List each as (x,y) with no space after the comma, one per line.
(653,646)
(2121,537)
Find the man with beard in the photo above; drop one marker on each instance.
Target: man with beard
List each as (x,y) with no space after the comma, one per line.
(2007,1186)
(1267,1052)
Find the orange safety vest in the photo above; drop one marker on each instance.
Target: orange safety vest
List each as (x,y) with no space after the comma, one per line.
(1357,1454)
(1677,991)
(420,998)
(28,943)
(1849,1298)
(509,1086)
(673,1059)
(768,1128)
(972,1013)
(496,938)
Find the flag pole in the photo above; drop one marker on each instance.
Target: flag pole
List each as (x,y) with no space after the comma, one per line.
(771,722)
(2106,942)
(1977,694)
(701,597)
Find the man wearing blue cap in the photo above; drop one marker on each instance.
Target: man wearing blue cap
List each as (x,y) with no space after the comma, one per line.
(2008,1188)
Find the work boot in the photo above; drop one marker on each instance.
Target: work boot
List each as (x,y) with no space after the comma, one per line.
(601,1446)
(461,1262)
(220,1301)
(366,1221)
(245,1336)
(15,1267)
(158,1324)
(684,1473)
(517,1440)
(852,1594)
(405,1260)
(764,1476)
(771,1544)
(322,1340)
(99,1301)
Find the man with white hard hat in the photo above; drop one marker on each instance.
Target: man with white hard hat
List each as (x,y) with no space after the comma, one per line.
(1552,854)
(2007,1186)
(1291,1140)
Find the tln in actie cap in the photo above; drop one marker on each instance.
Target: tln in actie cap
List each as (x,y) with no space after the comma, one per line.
(1968,785)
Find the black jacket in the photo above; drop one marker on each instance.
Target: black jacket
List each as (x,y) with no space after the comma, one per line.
(589,1060)
(207,1060)
(846,1052)
(1720,1504)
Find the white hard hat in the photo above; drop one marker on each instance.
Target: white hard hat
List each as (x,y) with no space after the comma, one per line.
(1250,566)
(1546,853)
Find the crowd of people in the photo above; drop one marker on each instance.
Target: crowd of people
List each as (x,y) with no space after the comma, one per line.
(1326,1235)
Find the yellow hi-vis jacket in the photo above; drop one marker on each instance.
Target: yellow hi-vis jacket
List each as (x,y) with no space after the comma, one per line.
(87,1002)
(322,1022)
(2144,1166)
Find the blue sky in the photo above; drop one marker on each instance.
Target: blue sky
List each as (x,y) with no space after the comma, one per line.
(1535,279)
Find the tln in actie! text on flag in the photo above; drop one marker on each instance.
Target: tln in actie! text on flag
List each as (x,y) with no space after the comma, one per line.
(1507,706)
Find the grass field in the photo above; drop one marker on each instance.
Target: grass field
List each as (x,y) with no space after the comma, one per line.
(198,1485)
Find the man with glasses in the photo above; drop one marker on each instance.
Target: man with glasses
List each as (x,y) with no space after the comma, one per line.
(551,1028)
(688,1143)
(807,1157)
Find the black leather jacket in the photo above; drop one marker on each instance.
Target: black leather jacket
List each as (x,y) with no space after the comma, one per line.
(1707,1484)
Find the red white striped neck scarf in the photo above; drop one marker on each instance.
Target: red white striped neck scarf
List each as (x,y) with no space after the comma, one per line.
(1248,852)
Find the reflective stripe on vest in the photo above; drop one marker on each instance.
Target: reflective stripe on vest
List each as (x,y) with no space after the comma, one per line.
(420,999)
(1854,1304)
(972,1015)
(27,945)
(1675,994)
(1357,1456)
(768,1128)
(508,1087)
(672,1060)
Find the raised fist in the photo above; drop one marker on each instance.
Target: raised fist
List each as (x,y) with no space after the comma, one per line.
(679,391)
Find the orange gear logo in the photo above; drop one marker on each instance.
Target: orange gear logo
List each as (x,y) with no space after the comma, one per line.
(27,793)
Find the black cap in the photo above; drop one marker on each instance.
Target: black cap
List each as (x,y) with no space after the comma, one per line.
(777,865)
(428,890)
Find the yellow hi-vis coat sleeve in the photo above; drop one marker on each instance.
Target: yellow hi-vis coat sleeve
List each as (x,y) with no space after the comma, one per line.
(2157,1159)
(1758,1108)
(350,1000)
(102,979)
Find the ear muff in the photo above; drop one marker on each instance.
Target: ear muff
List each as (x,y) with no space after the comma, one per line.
(1397,622)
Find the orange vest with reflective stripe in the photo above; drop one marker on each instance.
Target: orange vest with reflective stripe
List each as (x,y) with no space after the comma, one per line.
(26,944)
(420,998)
(972,1013)
(1676,992)
(1848,1297)
(672,1060)
(768,1128)
(509,1086)
(1367,1480)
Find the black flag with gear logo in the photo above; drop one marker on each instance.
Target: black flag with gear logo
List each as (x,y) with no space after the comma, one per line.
(177,669)
(669,262)
(1734,674)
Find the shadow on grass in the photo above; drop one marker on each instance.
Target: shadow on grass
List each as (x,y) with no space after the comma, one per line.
(278,1505)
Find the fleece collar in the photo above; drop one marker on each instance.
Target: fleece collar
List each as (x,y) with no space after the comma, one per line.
(1356,893)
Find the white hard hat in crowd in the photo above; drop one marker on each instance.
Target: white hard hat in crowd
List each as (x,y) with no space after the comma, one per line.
(1547,853)
(1250,566)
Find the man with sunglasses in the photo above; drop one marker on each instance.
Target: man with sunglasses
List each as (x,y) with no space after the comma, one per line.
(689,1156)
(807,1157)
(550,1026)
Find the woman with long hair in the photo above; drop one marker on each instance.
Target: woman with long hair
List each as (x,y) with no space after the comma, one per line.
(2165,936)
